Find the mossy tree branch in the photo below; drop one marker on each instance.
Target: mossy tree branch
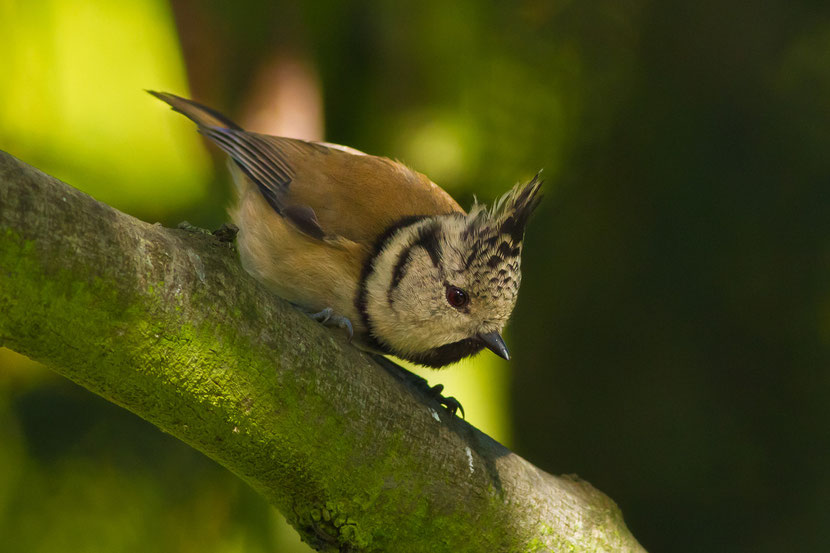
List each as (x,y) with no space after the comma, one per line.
(166,324)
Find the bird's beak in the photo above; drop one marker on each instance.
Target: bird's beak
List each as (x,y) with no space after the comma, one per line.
(495,343)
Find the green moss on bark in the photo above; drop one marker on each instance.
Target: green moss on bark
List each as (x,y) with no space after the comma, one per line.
(167,324)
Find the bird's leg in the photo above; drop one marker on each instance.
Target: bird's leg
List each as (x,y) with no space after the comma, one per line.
(225,234)
(433,392)
(328,317)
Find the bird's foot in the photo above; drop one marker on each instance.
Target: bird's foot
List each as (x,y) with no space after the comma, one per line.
(328,317)
(450,403)
(226,234)
(432,392)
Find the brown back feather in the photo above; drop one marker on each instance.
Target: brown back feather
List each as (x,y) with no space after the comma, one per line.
(352,194)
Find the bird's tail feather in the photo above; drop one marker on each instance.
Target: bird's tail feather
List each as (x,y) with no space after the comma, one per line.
(199,114)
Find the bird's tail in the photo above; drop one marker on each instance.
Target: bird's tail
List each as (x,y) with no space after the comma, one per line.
(199,114)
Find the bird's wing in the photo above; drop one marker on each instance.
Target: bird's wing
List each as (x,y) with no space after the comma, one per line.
(322,189)
(331,190)
(355,195)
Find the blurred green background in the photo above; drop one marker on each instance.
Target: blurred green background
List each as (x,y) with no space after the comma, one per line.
(672,339)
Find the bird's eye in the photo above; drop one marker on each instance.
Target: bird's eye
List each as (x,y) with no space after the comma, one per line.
(457,297)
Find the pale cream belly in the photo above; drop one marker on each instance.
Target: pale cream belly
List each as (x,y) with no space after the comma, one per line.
(313,274)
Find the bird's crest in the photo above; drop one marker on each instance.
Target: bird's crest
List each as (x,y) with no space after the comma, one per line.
(494,237)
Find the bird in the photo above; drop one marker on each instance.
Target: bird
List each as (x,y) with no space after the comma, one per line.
(366,243)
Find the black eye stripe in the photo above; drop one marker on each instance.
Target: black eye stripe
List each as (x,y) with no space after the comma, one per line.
(428,239)
(399,271)
(362,298)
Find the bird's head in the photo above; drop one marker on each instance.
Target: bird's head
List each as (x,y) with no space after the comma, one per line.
(441,288)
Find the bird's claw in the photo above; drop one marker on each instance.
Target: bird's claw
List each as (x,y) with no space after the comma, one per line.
(432,392)
(226,234)
(323,316)
(328,317)
(450,403)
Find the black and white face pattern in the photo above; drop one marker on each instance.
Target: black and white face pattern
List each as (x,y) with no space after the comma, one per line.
(436,284)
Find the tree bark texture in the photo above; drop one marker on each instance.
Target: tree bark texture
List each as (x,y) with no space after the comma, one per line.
(167,324)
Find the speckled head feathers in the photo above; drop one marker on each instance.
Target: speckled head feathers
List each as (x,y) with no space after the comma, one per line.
(494,237)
